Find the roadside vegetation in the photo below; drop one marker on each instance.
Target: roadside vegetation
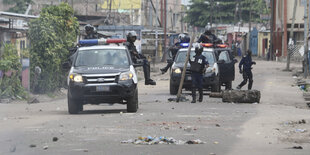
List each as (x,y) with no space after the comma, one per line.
(10,67)
(51,37)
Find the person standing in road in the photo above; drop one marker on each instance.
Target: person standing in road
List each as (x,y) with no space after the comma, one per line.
(182,38)
(245,68)
(131,38)
(198,65)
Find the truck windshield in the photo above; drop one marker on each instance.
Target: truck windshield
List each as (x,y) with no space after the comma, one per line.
(102,57)
(182,56)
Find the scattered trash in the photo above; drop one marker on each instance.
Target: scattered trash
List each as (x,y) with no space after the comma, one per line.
(45,147)
(216,142)
(33,100)
(32,145)
(301,130)
(141,114)
(181,99)
(55,139)
(295,77)
(149,140)
(172,108)
(156,100)
(297,147)
(296,122)
(217,125)
(121,112)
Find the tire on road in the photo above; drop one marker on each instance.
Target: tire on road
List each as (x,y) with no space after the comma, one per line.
(74,106)
(132,102)
(173,89)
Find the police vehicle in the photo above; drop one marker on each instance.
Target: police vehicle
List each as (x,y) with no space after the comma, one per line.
(101,72)
(221,70)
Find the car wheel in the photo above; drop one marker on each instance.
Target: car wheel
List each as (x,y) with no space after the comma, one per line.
(132,102)
(73,106)
(173,89)
(228,85)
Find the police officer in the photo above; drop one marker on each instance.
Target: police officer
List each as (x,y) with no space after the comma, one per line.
(91,32)
(131,38)
(198,65)
(245,68)
(182,38)
(208,37)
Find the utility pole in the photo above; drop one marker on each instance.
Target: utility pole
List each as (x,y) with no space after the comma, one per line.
(306,22)
(271,30)
(165,30)
(249,35)
(288,61)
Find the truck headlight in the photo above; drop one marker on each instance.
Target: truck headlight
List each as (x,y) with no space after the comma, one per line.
(178,70)
(76,78)
(126,76)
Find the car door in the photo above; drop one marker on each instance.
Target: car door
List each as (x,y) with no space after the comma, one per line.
(226,65)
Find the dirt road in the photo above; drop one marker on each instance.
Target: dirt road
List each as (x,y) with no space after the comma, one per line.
(272,127)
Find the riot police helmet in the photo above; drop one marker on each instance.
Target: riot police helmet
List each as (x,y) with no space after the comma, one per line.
(89,28)
(208,28)
(198,48)
(181,37)
(131,36)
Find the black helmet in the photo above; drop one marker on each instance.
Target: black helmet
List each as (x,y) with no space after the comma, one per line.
(198,48)
(131,34)
(181,37)
(89,28)
(208,28)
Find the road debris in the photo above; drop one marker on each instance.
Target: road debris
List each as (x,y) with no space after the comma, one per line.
(33,100)
(32,145)
(241,96)
(297,147)
(149,140)
(301,130)
(217,125)
(55,139)
(45,147)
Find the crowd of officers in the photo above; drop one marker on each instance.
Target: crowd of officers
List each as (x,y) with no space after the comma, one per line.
(198,62)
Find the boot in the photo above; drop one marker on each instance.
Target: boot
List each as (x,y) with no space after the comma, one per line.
(194,95)
(200,94)
(146,70)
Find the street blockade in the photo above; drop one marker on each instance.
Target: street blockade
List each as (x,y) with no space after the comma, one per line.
(241,96)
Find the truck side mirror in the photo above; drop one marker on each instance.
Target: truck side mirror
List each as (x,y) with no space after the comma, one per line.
(66,66)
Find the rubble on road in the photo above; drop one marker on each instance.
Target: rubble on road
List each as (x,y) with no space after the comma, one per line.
(241,96)
(149,140)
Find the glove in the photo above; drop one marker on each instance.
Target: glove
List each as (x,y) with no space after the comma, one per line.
(240,71)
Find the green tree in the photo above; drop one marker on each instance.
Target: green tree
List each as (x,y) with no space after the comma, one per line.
(202,12)
(10,83)
(51,35)
(20,6)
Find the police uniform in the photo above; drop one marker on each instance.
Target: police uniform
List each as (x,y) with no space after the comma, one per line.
(245,67)
(198,64)
(174,50)
(135,56)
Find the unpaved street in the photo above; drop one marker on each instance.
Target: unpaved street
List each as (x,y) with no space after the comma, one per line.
(271,127)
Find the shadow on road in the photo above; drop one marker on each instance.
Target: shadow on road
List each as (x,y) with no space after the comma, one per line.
(109,111)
